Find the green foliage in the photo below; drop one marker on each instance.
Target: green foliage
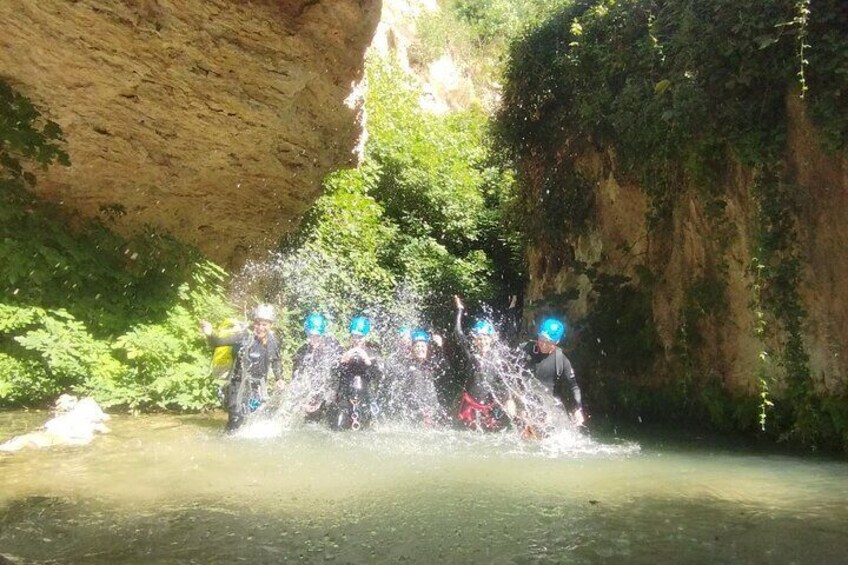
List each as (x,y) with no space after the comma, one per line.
(88,270)
(94,286)
(673,89)
(166,364)
(346,227)
(420,212)
(26,138)
(826,72)
(168,360)
(496,20)
(67,292)
(676,81)
(476,33)
(776,266)
(49,352)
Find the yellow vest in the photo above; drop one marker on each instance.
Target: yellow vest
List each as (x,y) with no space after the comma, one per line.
(223,357)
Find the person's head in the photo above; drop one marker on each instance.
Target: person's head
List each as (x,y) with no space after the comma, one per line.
(420,344)
(315,327)
(483,334)
(551,331)
(360,327)
(263,318)
(404,335)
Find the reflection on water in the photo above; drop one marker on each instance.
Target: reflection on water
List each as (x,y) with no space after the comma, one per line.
(164,489)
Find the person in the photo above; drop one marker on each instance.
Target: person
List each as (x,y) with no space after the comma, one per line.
(551,367)
(404,336)
(479,406)
(256,353)
(410,388)
(358,372)
(314,364)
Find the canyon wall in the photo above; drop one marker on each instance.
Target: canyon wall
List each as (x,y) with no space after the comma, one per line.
(212,120)
(698,254)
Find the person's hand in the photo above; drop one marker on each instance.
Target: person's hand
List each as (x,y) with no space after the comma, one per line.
(458,302)
(353,353)
(438,340)
(206,328)
(362,354)
(578,418)
(513,300)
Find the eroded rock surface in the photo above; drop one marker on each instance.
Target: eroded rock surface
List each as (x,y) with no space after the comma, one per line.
(695,250)
(214,120)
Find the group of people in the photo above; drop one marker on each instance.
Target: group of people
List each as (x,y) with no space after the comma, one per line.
(348,386)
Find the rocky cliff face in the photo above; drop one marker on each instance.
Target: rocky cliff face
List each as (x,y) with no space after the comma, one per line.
(698,255)
(823,230)
(214,120)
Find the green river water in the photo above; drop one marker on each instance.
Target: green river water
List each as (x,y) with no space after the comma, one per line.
(174,489)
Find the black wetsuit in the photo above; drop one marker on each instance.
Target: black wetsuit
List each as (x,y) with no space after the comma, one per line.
(309,359)
(485,370)
(554,371)
(477,407)
(410,390)
(249,378)
(313,368)
(356,384)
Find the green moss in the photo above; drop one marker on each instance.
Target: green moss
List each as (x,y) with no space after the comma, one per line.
(678,90)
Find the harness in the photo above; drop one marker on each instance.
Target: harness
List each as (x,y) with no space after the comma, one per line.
(248,396)
(476,414)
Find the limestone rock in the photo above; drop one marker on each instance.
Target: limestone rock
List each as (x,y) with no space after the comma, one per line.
(690,250)
(214,120)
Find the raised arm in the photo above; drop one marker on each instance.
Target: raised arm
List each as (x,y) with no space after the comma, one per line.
(570,382)
(276,362)
(457,328)
(512,321)
(461,339)
(218,340)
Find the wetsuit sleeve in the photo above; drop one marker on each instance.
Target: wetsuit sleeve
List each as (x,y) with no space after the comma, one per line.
(231,339)
(460,337)
(377,368)
(378,365)
(297,362)
(334,353)
(276,363)
(438,363)
(570,381)
(512,325)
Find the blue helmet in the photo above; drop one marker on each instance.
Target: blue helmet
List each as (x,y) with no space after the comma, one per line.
(315,324)
(360,326)
(552,330)
(483,327)
(419,335)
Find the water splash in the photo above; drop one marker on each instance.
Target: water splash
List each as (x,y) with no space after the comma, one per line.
(408,416)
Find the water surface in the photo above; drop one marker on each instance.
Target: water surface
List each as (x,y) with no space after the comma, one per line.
(174,489)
